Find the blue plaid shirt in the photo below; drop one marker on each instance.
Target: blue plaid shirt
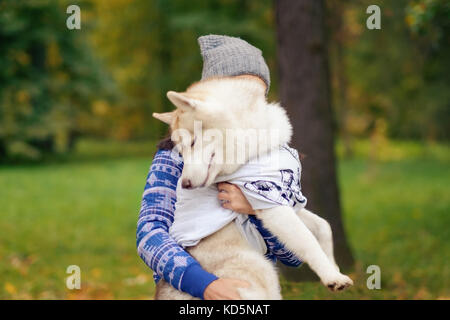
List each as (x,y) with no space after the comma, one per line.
(160,252)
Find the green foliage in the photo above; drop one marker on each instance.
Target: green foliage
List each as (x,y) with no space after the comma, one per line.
(47,78)
(429,19)
(398,76)
(151,47)
(106,79)
(85,213)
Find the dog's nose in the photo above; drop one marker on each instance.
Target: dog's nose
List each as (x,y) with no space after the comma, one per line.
(186,184)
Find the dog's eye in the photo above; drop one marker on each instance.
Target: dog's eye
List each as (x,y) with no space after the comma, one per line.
(193,142)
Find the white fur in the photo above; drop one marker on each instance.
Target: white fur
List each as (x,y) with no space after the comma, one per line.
(239,103)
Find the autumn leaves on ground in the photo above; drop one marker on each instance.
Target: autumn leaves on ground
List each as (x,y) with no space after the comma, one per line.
(83,211)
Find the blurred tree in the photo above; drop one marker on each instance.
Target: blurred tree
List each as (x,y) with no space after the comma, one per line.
(429,25)
(47,77)
(388,83)
(151,47)
(305,93)
(339,78)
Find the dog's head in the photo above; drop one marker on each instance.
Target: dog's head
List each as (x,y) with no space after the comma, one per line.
(197,136)
(201,124)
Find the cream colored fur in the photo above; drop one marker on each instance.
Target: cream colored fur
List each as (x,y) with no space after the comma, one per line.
(227,254)
(239,103)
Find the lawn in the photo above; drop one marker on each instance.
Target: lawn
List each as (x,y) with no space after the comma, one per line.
(83,211)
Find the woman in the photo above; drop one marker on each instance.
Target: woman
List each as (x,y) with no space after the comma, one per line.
(222,56)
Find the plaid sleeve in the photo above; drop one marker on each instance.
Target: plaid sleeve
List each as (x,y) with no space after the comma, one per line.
(156,248)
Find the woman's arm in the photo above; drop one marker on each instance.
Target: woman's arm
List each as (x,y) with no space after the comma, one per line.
(232,198)
(154,245)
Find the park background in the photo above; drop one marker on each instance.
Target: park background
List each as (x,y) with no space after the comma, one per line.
(77,136)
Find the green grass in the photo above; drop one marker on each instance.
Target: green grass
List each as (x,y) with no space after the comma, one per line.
(84,212)
(396,217)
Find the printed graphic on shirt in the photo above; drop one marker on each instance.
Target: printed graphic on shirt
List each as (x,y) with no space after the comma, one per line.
(286,194)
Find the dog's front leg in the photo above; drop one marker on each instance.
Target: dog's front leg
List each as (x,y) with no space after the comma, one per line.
(321,229)
(288,228)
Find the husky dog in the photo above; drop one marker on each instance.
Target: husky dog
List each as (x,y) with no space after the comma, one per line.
(239,103)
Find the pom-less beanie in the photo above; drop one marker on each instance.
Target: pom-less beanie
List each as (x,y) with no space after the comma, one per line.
(228,56)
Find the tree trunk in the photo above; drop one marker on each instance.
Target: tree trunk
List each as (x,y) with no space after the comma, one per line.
(305,93)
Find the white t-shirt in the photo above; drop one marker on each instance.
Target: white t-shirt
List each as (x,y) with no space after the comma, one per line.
(267,181)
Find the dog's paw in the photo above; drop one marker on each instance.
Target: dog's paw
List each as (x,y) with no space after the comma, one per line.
(338,282)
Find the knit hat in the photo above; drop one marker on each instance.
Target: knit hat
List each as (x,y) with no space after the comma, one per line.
(228,56)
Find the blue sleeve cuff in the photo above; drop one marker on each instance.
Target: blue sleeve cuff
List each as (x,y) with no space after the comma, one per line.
(195,280)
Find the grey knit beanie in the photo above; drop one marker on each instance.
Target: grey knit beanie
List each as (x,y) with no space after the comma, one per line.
(228,56)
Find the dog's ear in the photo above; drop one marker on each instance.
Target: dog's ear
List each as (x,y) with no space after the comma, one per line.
(166,117)
(182,101)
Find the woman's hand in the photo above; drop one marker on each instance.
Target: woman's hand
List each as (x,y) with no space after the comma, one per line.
(231,197)
(224,289)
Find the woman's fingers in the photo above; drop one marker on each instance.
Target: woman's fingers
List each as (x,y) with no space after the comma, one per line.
(224,196)
(231,197)
(225,200)
(225,187)
(225,289)
(227,205)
